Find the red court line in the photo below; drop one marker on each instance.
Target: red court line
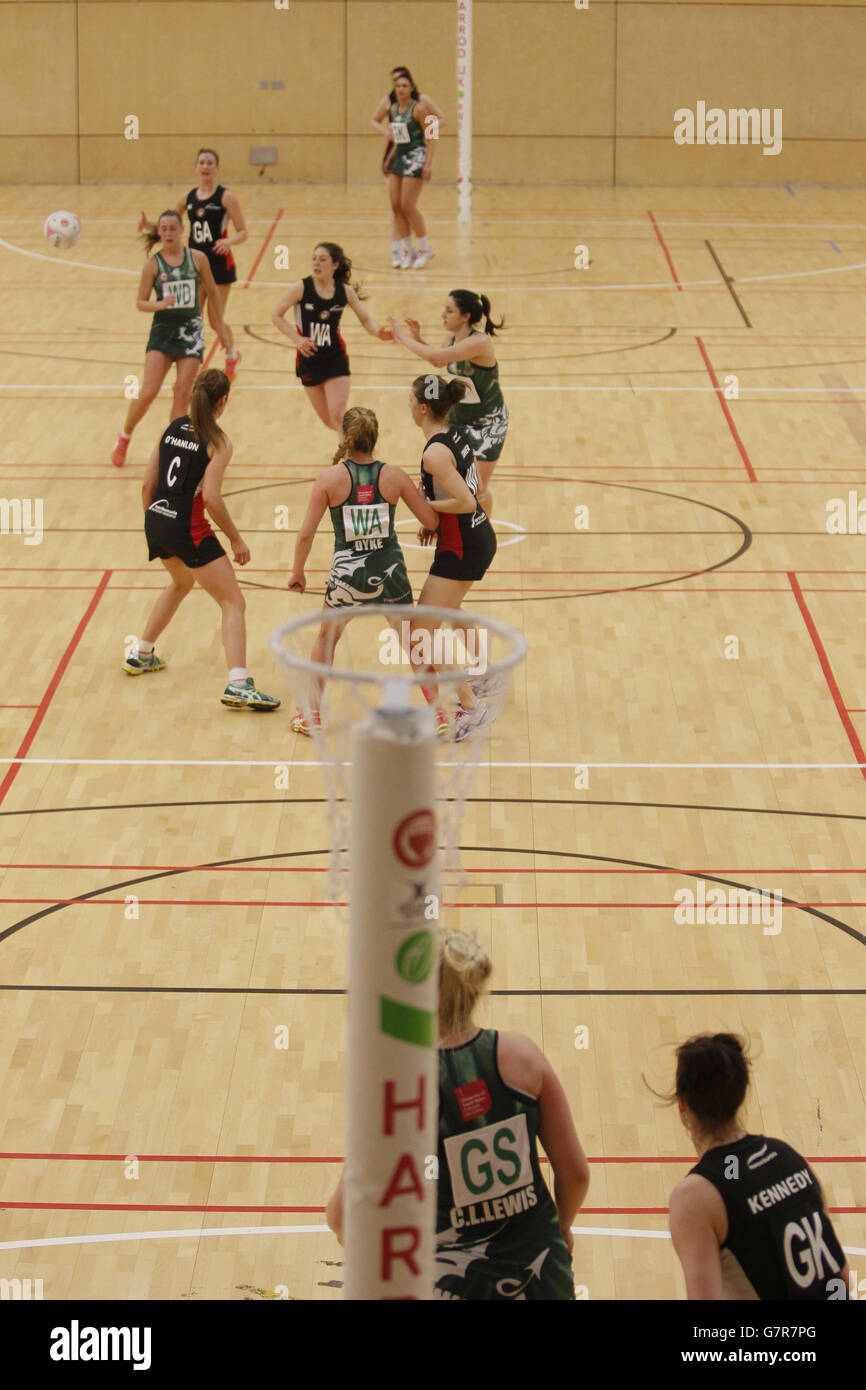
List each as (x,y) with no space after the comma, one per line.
(338,1158)
(246,283)
(828,673)
(185,1206)
(505,869)
(720,396)
(42,708)
(661,239)
(303,902)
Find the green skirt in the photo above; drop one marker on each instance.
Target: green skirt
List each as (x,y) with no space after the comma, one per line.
(184,339)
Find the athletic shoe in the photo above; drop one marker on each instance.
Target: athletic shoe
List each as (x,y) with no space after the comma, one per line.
(137,664)
(406,258)
(245,696)
(302,725)
(443,728)
(466,721)
(232,364)
(396,263)
(118,458)
(487,685)
(421,259)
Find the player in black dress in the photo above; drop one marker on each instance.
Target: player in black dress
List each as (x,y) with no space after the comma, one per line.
(322,363)
(210,208)
(748,1221)
(465,540)
(182,481)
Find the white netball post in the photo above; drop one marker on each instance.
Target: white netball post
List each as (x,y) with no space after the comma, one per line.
(383,759)
(464,110)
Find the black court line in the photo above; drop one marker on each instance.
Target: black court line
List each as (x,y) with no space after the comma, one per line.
(729,282)
(478,849)
(470,800)
(741,528)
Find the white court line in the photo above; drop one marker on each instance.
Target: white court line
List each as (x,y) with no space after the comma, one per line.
(311,762)
(494,289)
(196,1233)
(509,387)
(495,220)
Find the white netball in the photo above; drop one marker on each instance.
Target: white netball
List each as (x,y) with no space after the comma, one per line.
(62,229)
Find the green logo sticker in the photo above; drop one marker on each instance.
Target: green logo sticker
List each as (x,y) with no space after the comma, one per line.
(414,960)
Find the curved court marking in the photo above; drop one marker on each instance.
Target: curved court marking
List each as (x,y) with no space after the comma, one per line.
(714,283)
(202,1231)
(497,521)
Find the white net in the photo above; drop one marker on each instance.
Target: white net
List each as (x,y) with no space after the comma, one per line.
(343,663)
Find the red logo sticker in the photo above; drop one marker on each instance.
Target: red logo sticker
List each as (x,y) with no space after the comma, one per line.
(473,1099)
(365,492)
(415,839)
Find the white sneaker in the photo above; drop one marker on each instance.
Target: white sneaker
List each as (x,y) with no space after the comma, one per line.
(395,258)
(487,685)
(467,721)
(421,259)
(406,258)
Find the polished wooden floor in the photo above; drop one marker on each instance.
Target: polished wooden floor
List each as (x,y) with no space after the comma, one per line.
(697,646)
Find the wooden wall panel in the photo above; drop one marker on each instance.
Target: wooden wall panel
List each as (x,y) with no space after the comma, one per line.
(560,95)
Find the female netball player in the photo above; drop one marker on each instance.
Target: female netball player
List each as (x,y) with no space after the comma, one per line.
(413,134)
(368,566)
(210,208)
(321,362)
(482,414)
(499,1232)
(465,541)
(749,1220)
(183,480)
(177,331)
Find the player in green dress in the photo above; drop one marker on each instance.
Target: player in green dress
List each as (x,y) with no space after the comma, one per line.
(411,121)
(177,330)
(361,494)
(500,1234)
(470,356)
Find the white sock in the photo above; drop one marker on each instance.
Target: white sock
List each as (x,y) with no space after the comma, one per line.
(124,435)
(237,675)
(395,245)
(231,354)
(143,648)
(424,244)
(406,244)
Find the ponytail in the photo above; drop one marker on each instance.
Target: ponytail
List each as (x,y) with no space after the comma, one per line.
(152,238)
(343,272)
(464,969)
(208,390)
(360,433)
(477,306)
(439,395)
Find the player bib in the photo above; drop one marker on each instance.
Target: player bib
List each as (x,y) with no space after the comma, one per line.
(366,523)
(489,1163)
(183,291)
(400,132)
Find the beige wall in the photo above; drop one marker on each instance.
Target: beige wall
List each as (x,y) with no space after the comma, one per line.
(560,95)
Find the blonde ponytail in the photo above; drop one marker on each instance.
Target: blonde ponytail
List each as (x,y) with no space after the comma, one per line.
(464,969)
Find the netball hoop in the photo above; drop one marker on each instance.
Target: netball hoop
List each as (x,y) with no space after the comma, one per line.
(396,789)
